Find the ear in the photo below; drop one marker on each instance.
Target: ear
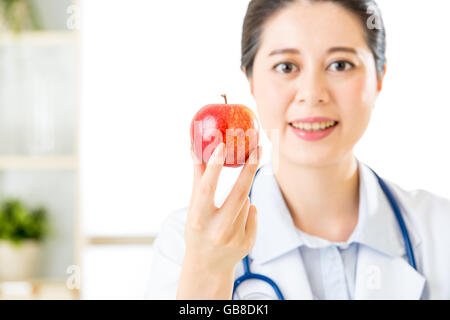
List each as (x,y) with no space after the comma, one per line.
(380,80)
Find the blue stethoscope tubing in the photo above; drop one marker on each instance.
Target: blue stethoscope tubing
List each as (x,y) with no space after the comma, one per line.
(395,207)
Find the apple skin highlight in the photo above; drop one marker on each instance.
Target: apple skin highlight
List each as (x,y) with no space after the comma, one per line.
(234,124)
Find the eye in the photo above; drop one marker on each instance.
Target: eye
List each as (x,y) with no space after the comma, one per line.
(340,65)
(286,66)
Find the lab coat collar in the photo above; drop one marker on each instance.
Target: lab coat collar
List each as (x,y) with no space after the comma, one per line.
(382,272)
(377,226)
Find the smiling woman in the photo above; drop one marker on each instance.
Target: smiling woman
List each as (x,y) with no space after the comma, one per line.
(328,226)
(315,71)
(321,89)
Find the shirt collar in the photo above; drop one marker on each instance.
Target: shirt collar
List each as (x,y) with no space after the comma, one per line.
(377,226)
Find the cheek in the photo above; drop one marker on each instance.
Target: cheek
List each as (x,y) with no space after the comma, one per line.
(271,98)
(356,99)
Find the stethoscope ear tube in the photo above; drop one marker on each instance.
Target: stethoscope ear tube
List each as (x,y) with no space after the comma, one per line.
(401,222)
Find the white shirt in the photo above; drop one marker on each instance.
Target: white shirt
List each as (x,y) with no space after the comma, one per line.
(372,264)
(331,268)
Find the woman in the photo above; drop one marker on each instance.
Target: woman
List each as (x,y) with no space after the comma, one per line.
(325,228)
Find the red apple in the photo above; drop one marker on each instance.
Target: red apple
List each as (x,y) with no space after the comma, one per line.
(234,124)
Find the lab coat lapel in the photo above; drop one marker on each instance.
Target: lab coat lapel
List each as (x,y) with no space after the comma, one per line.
(383,272)
(276,252)
(380,276)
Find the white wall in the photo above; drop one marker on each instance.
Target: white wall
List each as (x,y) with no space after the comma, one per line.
(147,68)
(407,140)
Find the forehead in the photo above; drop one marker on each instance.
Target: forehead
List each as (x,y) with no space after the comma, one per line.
(312,26)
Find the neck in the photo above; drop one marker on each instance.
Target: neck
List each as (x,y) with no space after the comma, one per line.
(323,201)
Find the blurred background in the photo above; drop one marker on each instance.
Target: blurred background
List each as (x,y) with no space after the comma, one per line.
(96,99)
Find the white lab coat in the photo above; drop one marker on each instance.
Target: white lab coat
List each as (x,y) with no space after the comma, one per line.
(382,271)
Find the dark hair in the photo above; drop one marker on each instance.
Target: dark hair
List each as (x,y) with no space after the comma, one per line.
(259,11)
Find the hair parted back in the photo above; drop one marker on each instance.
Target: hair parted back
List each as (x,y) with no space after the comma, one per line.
(259,11)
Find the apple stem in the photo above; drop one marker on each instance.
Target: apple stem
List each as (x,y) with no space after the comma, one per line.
(225,97)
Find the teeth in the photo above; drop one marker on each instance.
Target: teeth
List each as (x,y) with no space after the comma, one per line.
(315,126)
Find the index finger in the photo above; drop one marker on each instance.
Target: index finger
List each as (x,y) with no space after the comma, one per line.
(199,168)
(207,183)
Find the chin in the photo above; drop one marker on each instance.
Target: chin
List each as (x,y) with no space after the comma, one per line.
(315,157)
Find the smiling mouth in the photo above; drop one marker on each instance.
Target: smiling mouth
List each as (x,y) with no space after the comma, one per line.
(314,126)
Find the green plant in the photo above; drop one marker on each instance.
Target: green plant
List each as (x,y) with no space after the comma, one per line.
(18,14)
(18,223)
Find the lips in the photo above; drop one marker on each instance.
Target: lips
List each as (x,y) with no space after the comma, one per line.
(313,128)
(313,119)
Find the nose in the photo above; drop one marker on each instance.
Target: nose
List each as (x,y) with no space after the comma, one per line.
(312,89)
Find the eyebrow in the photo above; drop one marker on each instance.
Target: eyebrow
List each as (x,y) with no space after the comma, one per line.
(296,51)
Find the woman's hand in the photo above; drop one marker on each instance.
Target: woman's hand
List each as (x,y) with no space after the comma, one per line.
(217,238)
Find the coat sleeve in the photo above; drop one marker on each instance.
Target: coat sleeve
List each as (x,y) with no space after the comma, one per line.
(167,259)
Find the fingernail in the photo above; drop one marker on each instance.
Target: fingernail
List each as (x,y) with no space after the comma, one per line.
(194,158)
(215,156)
(221,153)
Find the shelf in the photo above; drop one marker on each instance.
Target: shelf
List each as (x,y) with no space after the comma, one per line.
(37,289)
(39,37)
(135,240)
(38,163)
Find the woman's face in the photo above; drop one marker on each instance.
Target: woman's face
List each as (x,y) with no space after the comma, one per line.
(340,84)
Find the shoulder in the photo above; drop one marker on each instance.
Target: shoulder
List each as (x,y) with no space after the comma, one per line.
(427,212)
(424,204)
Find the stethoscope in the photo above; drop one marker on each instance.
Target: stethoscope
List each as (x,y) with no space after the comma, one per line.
(395,207)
